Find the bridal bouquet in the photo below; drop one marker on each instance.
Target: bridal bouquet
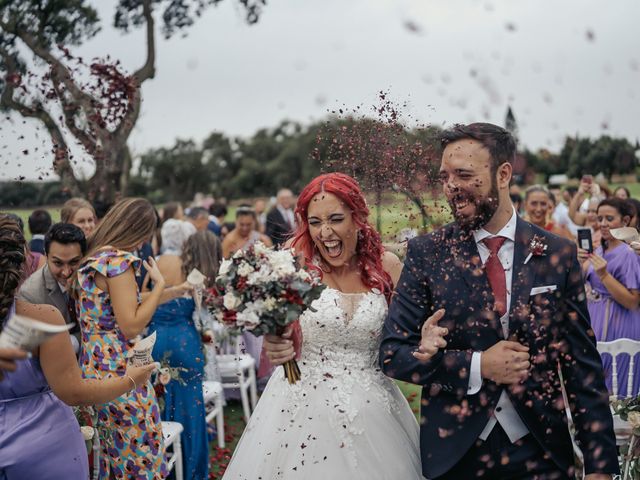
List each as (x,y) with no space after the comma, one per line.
(262,290)
(628,409)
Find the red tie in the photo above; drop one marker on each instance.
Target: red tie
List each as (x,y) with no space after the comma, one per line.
(496,275)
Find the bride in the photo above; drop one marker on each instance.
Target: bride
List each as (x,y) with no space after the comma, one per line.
(344,418)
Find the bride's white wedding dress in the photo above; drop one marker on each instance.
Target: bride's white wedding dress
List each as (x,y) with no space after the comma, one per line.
(344,419)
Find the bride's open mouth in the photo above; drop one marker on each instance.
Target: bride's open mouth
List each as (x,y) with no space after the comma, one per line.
(333,248)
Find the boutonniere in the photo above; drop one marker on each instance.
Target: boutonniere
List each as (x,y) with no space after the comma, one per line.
(537,248)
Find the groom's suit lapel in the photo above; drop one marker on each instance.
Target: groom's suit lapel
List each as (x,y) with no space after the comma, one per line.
(524,275)
(478,295)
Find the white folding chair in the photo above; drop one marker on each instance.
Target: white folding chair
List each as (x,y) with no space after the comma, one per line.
(171,433)
(238,370)
(213,405)
(622,346)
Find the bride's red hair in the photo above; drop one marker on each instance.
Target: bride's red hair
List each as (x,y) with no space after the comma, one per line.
(369,249)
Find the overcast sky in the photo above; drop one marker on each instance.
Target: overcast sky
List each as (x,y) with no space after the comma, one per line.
(566,67)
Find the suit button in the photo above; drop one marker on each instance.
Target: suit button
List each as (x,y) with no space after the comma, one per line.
(499,409)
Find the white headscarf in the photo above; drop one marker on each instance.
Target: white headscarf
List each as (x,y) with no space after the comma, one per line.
(174,234)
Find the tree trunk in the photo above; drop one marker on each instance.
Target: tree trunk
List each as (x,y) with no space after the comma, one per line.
(417,201)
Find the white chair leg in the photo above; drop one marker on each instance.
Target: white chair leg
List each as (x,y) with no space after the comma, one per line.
(177,452)
(253,388)
(245,398)
(220,423)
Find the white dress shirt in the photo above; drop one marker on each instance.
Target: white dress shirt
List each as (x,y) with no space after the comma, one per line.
(288,215)
(505,413)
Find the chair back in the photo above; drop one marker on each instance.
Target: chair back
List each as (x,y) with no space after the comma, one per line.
(620,347)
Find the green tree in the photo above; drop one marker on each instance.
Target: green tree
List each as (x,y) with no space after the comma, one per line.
(176,173)
(100,113)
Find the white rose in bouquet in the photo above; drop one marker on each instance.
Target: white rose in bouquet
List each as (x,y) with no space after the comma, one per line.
(225,266)
(270,304)
(282,263)
(231,302)
(634,419)
(248,319)
(245,269)
(260,248)
(262,275)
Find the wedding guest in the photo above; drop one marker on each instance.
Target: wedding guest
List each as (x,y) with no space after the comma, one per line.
(39,434)
(516,199)
(35,261)
(65,245)
(100,207)
(39,223)
(260,207)
(622,192)
(199,217)
(539,204)
(172,210)
(112,314)
(217,214)
(635,220)
(245,233)
(281,221)
(179,343)
(79,212)
(613,273)
(174,233)
(562,199)
(226,229)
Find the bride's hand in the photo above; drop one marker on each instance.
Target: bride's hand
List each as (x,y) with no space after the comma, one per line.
(279,349)
(432,337)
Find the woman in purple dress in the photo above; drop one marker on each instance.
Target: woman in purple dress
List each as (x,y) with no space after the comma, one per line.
(39,435)
(613,275)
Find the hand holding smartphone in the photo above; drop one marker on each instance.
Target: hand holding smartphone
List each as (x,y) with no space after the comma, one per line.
(585,240)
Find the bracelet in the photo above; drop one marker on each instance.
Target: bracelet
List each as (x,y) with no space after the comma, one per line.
(135,387)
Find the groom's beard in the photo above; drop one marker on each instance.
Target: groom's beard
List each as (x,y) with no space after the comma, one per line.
(485,209)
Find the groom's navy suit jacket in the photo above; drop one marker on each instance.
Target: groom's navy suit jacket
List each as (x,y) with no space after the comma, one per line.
(444,270)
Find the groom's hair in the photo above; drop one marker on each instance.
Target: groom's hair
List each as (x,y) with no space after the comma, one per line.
(499,142)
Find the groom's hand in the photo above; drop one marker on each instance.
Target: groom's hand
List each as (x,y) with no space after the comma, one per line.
(432,337)
(505,363)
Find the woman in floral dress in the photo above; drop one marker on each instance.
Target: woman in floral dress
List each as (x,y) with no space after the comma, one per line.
(112,314)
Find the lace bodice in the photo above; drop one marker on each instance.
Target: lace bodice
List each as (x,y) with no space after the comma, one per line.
(344,331)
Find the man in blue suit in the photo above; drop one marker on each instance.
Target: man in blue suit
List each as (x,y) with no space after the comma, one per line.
(508,340)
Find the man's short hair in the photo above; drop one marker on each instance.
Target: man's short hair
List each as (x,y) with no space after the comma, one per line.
(65,233)
(499,142)
(218,210)
(39,222)
(197,212)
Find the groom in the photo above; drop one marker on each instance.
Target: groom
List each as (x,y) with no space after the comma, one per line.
(515,325)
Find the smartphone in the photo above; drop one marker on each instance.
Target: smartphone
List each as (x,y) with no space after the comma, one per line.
(587,178)
(585,241)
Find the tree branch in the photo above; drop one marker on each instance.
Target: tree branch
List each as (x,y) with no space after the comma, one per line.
(57,66)
(61,164)
(148,70)
(69,110)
